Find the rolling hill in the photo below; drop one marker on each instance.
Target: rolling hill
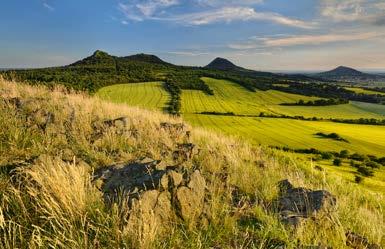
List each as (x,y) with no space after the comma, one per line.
(223,64)
(64,180)
(348,74)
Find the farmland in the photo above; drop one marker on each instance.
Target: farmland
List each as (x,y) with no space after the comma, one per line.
(150,95)
(364,91)
(232,98)
(296,134)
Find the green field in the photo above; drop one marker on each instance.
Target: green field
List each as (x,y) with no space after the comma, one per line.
(375,183)
(231,97)
(364,139)
(150,95)
(373,108)
(361,90)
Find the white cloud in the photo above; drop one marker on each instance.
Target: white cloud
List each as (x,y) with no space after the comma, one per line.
(318,39)
(221,3)
(231,14)
(47,6)
(187,53)
(140,10)
(367,11)
(156,10)
(303,40)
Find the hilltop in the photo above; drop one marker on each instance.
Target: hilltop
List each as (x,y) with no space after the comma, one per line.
(102,69)
(343,73)
(222,64)
(63,157)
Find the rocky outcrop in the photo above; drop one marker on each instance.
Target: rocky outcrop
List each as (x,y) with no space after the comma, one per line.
(357,241)
(155,189)
(185,152)
(296,204)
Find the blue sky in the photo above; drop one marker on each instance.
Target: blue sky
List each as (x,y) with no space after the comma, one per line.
(258,34)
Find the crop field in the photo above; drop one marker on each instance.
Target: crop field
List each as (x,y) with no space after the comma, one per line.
(375,183)
(373,108)
(361,90)
(150,95)
(297,134)
(231,97)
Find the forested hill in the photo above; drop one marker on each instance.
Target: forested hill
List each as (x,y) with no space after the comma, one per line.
(102,69)
(343,73)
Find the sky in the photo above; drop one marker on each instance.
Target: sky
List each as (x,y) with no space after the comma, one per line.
(269,35)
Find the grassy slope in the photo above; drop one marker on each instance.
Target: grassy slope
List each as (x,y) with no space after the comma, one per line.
(361,90)
(53,204)
(295,133)
(230,97)
(150,95)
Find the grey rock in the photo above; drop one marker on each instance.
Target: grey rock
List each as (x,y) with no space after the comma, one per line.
(357,241)
(297,204)
(162,191)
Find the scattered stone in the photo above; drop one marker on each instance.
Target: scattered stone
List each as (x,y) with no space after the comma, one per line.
(357,241)
(297,204)
(155,188)
(185,152)
(179,127)
(177,131)
(101,127)
(115,122)
(260,163)
(16,102)
(319,168)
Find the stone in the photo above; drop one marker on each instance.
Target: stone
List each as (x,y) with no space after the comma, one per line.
(158,194)
(297,204)
(357,241)
(185,152)
(191,198)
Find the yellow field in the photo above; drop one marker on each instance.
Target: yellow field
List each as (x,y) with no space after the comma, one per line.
(360,90)
(150,95)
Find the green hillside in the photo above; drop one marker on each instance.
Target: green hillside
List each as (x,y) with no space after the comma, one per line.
(231,97)
(150,95)
(296,133)
(78,172)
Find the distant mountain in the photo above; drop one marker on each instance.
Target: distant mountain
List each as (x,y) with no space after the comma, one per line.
(226,65)
(223,64)
(348,74)
(146,58)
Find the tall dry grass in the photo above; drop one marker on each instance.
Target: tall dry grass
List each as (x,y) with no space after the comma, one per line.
(47,199)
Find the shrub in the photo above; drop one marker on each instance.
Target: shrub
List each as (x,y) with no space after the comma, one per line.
(326,155)
(344,153)
(337,162)
(372,165)
(358,179)
(365,171)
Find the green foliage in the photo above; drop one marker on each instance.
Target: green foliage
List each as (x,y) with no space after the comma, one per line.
(318,102)
(337,162)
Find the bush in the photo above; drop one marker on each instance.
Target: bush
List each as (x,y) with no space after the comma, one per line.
(344,153)
(365,171)
(358,179)
(372,165)
(326,155)
(337,162)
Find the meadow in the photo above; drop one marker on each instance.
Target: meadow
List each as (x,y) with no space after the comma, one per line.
(232,98)
(364,91)
(49,199)
(296,134)
(150,95)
